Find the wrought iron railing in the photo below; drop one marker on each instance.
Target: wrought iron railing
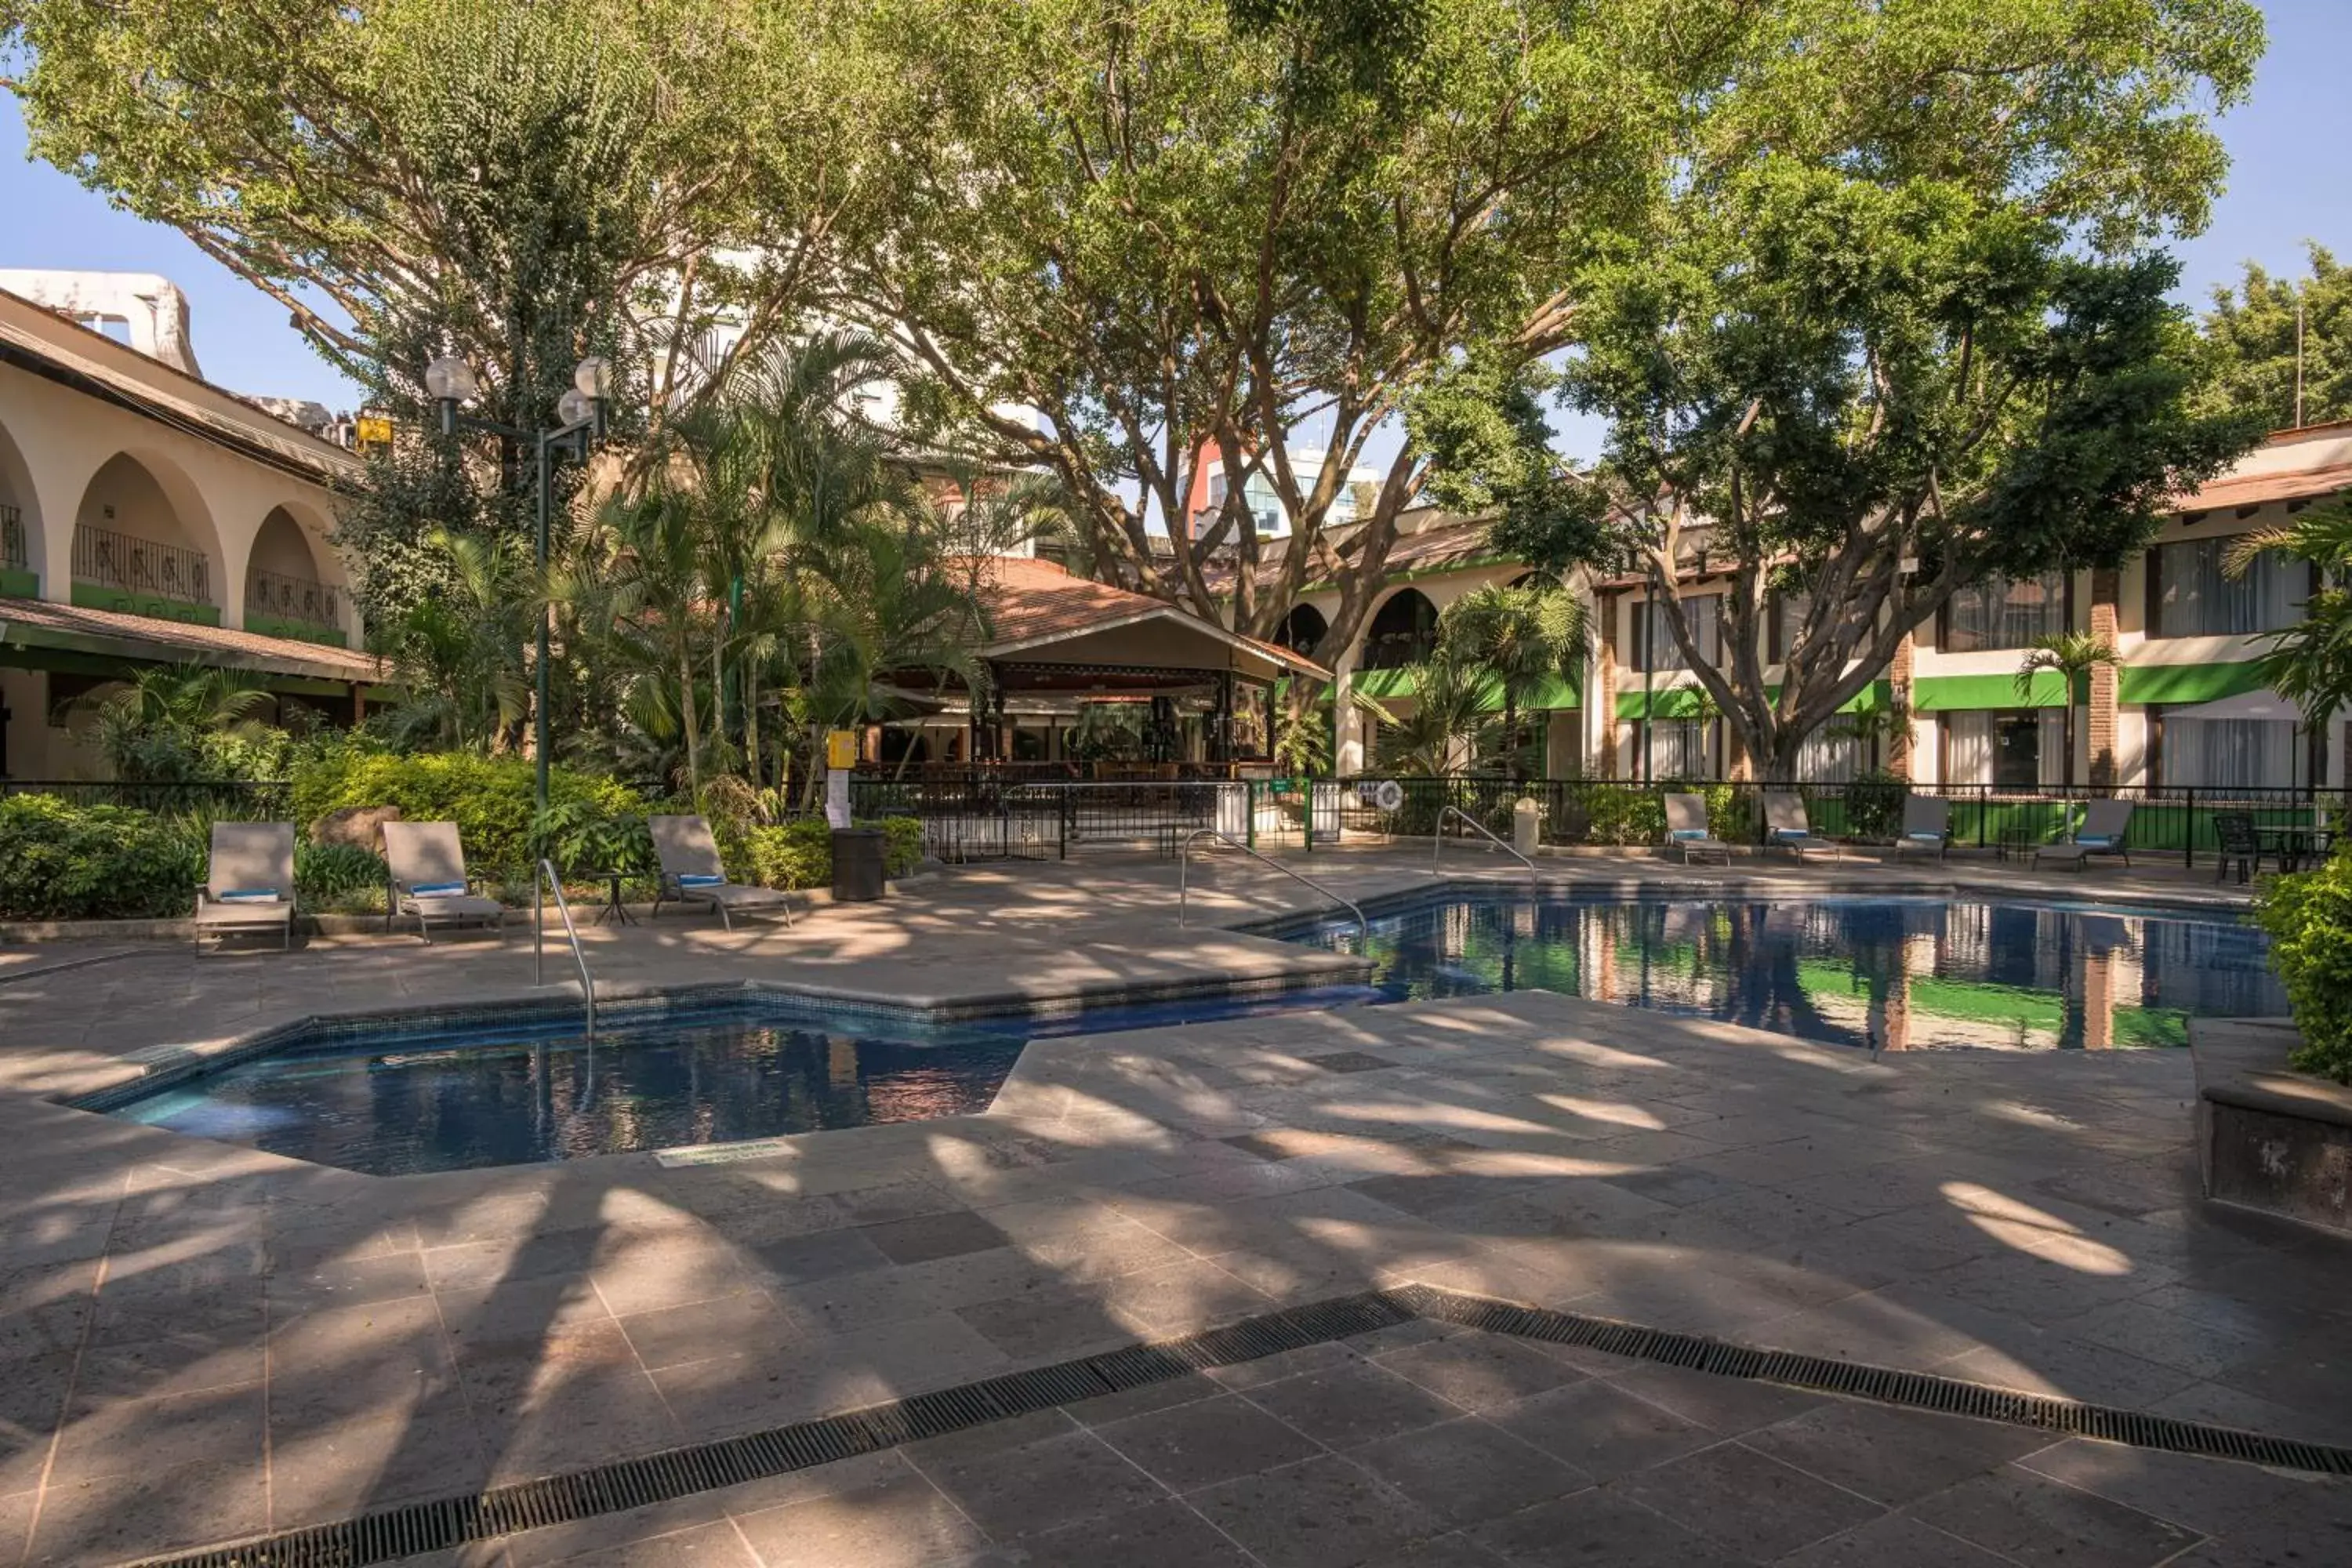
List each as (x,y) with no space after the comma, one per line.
(286,598)
(14,554)
(114,560)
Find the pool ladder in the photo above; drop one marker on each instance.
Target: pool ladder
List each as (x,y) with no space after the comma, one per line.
(1185,866)
(1438,846)
(572,934)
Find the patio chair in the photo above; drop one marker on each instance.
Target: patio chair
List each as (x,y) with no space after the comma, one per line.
(248,881)
(428,879)
(1786,828)
(2104,824)
(1687,829)
(1927,826)
(2240,845)
(691,873)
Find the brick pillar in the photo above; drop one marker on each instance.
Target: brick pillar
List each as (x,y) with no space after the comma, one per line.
(2105,587)
(1605,682)
(1898,678)
(2099,1002)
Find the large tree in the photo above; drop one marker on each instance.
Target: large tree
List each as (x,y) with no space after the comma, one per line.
(515,181)
(1138,237)
(1860,397)
(2251,332)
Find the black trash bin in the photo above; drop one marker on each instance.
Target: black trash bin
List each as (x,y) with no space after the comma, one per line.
(856,865)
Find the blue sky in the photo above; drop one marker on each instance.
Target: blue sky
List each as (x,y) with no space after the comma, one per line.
(2289,184)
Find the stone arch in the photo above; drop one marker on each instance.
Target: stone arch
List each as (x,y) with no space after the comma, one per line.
(24,548)
(1303,628)
(145,540)
(1403,632)
(292,577)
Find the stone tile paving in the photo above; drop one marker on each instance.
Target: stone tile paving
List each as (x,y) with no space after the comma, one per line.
(202,1341)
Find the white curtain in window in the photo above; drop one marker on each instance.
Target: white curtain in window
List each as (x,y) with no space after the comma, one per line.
(1702,615)
(2050,760)
(2230,753)
(2199,599)
(1827,758)
(1997,614)
(1968,748)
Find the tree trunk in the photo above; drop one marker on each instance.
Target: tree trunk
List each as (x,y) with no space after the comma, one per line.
(686,706)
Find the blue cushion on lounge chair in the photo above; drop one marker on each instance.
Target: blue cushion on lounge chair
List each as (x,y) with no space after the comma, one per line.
(437,889)
(2096,840)
(1925,837)
(1785,834)
(1689,834)
(701,880)
(248,896)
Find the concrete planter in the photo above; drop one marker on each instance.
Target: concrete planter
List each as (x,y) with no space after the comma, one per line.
(2268,1138)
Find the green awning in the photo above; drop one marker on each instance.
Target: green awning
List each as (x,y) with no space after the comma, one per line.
(2169,683)
(1670,703)
(1949,693)
(1559,692)
(1385,682)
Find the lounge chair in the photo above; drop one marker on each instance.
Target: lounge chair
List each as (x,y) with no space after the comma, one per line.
(429,880)
(249,881)
(1687,829)
(1786,828)
(2104,824)
(691,873)
(1927,826)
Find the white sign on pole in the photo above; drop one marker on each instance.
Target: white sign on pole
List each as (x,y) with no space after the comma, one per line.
(837,797)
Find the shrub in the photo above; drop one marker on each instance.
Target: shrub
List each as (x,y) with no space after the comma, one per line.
(2309,919)
(59,861)
(799,854)
(1619,814)
(1873,805)
(345,877)
(491,799)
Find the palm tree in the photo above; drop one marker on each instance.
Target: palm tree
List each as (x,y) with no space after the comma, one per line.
(153,728)
(1448,716)
(2310,663)
(1521,639)
(2071,656)
(457,654)
(658,597)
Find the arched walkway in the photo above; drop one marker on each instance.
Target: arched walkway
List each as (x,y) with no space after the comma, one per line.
(1303,629)
(1403,632)
(289,587)
(21,545)
(142,541)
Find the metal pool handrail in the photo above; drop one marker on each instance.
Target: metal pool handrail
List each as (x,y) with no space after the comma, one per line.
(1185,866)
(571,932)
(1438,834)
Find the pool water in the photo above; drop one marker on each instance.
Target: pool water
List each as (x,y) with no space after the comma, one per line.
(1885,973)
(396,1102)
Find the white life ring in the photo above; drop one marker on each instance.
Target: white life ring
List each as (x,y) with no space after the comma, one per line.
(1388,794)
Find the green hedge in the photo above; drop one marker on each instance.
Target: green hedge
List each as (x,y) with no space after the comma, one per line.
(62,862)
(800,854)
(2309,919)
(491,799)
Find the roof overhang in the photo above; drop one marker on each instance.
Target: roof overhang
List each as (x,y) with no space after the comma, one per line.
(31,624)
(1276,659)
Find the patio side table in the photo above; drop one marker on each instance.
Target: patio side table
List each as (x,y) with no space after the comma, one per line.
(613,909)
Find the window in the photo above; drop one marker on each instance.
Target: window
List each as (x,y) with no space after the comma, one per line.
(2226,754)
(1830,756)
(1653,645)
(2189,595)
(1998,613)
(2018,748)
(1679,748)
(1403,633)
(1783,618)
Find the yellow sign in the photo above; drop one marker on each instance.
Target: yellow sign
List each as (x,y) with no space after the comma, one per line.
(373,430)
(841,749)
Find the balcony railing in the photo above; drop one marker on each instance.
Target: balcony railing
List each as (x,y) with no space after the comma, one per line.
(13,554)
(141,566)
(282,597)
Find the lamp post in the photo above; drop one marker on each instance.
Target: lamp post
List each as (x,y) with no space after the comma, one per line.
(581,412)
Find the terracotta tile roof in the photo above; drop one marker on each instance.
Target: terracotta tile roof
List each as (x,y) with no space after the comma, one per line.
(1031,602)
(38,623)
(2255,490)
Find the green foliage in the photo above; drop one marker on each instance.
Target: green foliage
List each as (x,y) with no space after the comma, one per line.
(59,861)
(2310,662)
(171,722)
(585,834)
(2250,336)
(347,878)
(1302,742)
(490,798)
(799,854)
(1614,814)
(1873,805)
(2309,918)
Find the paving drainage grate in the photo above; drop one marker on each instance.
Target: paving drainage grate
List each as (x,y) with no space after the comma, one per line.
(448,1523)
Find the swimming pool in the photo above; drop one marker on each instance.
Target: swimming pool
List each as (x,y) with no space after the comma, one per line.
(1890,974)
(394,1101)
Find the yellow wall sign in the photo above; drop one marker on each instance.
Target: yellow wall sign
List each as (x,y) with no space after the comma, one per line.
(841,749)
(373,430)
